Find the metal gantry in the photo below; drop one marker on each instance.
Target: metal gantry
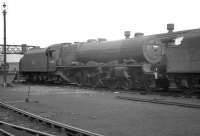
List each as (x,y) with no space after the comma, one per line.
(16,49)
(11,49)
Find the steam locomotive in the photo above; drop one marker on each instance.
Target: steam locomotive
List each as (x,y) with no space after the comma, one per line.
(165,60)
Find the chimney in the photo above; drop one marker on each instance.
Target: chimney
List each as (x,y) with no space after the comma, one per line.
(127,34)
(170,28)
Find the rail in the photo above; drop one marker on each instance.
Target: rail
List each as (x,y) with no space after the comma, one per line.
(23,129)
(187,105)
(5,133)
(67,129)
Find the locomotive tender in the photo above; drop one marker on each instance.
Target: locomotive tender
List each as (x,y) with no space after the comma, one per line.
(154,61)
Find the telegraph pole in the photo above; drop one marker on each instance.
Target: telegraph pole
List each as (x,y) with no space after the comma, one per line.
(4,48)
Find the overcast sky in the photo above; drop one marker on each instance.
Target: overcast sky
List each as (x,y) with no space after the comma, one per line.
(45,22)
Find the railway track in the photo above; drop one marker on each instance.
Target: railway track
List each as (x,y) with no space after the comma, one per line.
(14,120)
(5,133)
(173,93)
(157,101)
(9,129)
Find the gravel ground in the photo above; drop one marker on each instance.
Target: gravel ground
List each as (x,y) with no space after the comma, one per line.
(101,112)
